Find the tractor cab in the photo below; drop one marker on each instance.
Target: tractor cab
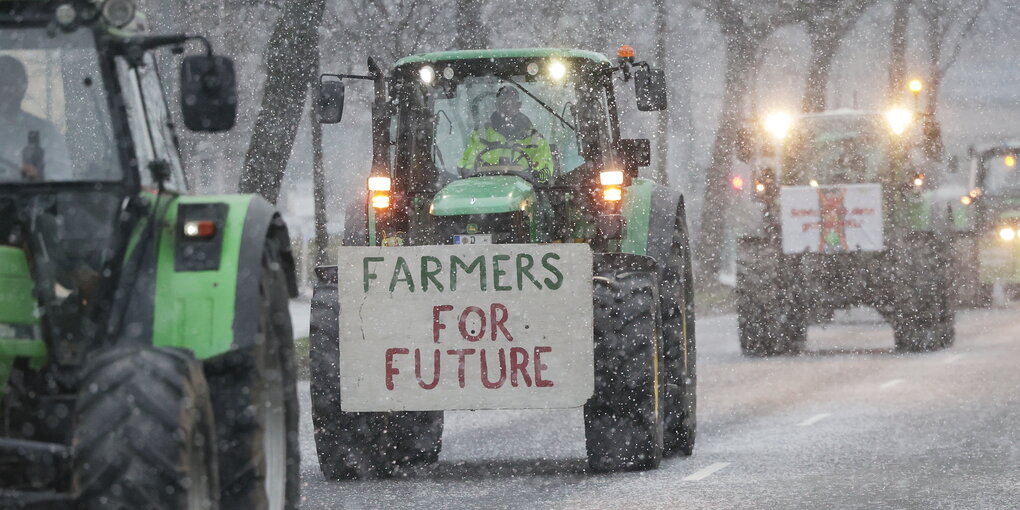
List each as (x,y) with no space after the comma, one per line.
(86,141)
(502,146)
(994,183)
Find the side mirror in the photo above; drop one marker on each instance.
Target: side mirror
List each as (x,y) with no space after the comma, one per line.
(650,89)
(331,101)
(636,152)
(208,93)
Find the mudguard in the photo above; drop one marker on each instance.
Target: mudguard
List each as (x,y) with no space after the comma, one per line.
(650,212)
(215,311)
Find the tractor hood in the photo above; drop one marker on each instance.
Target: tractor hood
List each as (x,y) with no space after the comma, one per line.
(483,195)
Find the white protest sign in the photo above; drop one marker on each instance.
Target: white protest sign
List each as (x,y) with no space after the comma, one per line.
(831,219)
(465,327)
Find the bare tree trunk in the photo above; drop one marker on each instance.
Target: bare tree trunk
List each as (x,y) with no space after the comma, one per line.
(740,52)
(471,31)
(898,49)
(681,101)
(662,122)
(823,50)
(290,59)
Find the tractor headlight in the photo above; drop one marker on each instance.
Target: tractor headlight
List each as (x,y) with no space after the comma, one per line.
(899,120)
(557,70)
(1007,234)
(778,124)
(427,75)
(611,178)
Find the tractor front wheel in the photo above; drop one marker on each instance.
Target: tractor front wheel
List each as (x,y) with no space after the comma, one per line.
(255,400)
(623,420)
(145,435)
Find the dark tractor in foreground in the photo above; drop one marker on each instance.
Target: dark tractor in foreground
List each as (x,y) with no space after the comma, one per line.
(146,352)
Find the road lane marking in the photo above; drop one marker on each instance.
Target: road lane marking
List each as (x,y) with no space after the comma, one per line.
(706,472)
(814,419)
(889,384)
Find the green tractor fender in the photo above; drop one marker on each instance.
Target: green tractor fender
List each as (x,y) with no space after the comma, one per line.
(650,213)
(207,296)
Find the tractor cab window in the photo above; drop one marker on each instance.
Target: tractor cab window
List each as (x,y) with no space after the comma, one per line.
(1002,175)
(54,112)
(502,124)
(836,151)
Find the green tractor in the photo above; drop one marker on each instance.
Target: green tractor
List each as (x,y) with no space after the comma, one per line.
(146,352)
(986,222)
(846,221)
(508,257)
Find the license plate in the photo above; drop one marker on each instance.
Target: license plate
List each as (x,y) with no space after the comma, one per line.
(472,239)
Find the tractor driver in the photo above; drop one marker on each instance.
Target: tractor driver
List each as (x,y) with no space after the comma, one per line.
(31,148)
(509,138)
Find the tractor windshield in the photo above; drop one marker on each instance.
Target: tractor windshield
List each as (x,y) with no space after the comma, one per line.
(1002,175)
(836,150)
(512,124)
(54,113)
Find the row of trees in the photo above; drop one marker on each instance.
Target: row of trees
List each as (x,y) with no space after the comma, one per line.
(279,46)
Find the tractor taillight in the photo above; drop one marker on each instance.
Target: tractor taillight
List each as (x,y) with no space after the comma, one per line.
(200,228)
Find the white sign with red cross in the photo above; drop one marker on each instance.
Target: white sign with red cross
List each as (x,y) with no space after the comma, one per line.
(465,327)
(831,219)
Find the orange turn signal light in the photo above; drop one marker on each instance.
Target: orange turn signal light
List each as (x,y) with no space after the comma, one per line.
(612,194)
(381,200)
(625,51)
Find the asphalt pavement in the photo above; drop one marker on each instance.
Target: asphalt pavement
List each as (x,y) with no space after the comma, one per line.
(847,424)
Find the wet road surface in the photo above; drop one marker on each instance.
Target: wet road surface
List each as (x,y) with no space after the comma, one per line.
(847,424)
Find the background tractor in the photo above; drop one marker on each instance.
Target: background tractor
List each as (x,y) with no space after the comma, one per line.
(986,226)
(846,221)
(571,257)
(146,354)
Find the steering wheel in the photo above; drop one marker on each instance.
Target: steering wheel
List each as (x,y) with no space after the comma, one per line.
(516,154)
(514,168)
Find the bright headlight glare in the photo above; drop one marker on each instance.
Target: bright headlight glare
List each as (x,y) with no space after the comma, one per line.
(427,75)
(611,178)
(966,200)
(379,183)
(557,70)
(1007,234)
(778,124)
(899,119)
(612,194)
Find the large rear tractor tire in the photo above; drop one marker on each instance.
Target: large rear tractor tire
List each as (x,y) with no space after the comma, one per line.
(771,320)
(358,445)
(255,400)
(144,435)
(680,379)
(924,318)
(623,420)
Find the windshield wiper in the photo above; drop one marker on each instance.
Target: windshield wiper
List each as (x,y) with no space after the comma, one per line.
(539,101)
